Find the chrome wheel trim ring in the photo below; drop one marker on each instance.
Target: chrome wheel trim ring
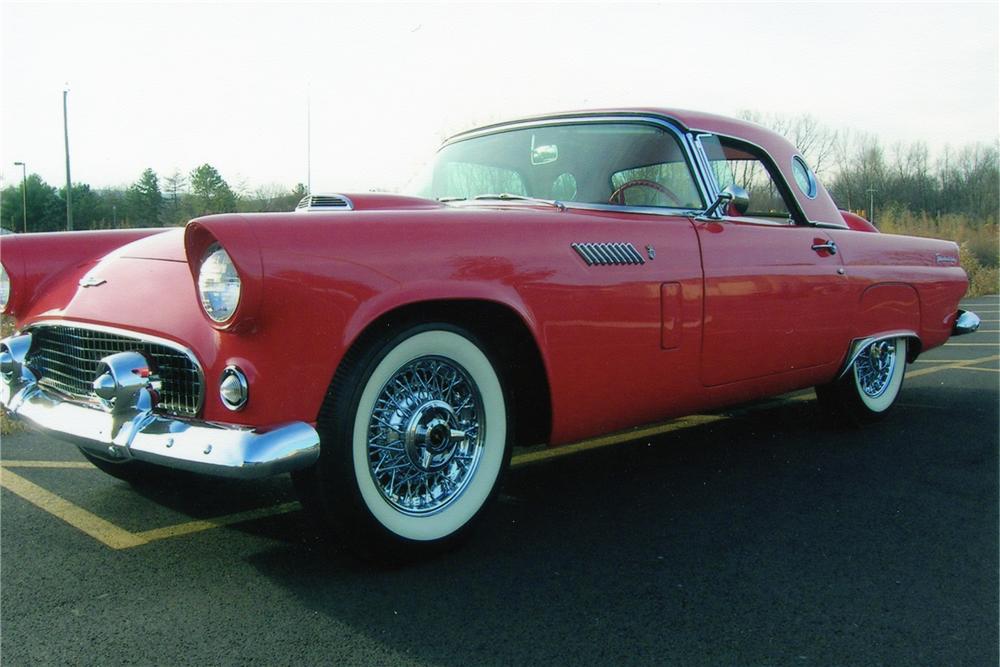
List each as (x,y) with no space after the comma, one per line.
(425,435)
(874,368)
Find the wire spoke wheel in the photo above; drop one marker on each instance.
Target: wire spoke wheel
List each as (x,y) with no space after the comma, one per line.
(425,435)
(874,368)
(868,390)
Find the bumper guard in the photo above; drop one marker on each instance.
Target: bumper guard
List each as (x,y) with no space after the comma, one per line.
(124,425)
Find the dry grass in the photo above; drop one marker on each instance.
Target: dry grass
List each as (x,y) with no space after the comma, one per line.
(979,241)
(7,425)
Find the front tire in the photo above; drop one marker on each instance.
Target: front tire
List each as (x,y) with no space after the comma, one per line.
(415,440)
(868,390)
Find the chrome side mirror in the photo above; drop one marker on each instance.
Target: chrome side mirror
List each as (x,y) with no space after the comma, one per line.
(731,193)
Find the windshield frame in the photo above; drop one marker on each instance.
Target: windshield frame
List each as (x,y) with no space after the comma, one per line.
(682,138)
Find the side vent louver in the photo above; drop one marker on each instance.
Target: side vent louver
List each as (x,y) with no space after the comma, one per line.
(324,203)
(608,254)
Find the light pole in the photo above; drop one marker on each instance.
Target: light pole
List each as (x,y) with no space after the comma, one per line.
(69,184)
(871,204)
(24,194)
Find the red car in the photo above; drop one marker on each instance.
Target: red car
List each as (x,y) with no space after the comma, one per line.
(550,279)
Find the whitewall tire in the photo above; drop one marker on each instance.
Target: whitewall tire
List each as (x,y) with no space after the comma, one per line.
(415,439)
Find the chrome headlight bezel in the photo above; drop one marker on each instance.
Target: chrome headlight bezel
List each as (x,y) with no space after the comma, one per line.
(220,287)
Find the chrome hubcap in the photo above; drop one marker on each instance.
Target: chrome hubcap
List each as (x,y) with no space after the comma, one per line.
(874,367)
(425,435)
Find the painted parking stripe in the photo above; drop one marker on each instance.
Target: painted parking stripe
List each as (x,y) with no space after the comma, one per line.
(100,529)
(614,439)
(47,464)
(972,344)
(189,527)
(957,364)
(116,537)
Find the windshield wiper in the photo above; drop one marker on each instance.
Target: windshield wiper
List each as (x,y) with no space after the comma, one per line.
(506,196)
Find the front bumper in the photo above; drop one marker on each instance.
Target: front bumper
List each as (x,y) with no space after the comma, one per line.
(130,429)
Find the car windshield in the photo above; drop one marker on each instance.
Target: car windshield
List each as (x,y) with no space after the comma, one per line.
(630,164)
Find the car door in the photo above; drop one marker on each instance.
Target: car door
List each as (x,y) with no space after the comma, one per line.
(775,289)
(773,299)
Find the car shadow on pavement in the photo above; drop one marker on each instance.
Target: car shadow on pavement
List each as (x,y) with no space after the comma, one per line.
(769,536)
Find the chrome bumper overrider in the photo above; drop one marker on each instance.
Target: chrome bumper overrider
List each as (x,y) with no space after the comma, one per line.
(966,322)
(128,428)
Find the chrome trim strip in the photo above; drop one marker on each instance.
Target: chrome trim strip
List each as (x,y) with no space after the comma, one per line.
(966,322)
(859,344)
(128,333)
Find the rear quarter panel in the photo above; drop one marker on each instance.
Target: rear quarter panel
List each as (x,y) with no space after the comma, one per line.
(902,282)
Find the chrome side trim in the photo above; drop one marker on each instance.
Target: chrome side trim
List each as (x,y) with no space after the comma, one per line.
(128,333)
(966,322)
(859,344)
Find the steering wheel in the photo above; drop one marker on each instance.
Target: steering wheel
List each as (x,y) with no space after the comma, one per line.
(618,196)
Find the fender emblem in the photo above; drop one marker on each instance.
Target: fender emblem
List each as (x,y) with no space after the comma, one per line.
(651,251)
(945,259)
(91,281)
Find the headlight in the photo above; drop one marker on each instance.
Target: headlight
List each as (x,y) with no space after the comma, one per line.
(218,284)
(4,289)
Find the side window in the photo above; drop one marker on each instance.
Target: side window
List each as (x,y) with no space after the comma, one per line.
(467,179)
(734,163)
(665,184)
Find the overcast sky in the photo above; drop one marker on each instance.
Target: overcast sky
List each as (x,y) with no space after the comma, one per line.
(171,86)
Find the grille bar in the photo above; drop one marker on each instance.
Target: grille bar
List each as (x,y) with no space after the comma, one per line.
(67,358)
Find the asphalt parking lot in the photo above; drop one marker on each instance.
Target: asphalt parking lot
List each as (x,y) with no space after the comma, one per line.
(763,535)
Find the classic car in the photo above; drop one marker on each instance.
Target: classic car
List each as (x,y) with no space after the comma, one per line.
(547,280)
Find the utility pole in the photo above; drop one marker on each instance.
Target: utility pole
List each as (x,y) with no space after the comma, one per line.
(24,195)
(871,204)
(69,183)
(309,139)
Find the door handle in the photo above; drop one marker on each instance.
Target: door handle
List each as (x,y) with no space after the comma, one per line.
(829,246)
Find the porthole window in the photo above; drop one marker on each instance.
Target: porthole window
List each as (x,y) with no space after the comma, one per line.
(804,177)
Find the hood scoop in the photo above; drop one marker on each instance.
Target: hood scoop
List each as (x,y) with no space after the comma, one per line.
(321,202)
(366,201)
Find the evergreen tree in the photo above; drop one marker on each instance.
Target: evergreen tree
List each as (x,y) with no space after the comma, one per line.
(46,210)
(210,193)
(144,201)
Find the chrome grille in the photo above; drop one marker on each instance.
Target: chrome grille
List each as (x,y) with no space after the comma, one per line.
(67,359)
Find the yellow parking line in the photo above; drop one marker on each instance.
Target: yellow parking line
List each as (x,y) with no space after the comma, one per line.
(974,368)
(46,464)
(615,439)
(101,530)
(972,344)
(958,364)
(189,527)
(118,538)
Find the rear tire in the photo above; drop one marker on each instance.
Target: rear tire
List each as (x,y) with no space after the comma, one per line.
(415,439)
(869,388)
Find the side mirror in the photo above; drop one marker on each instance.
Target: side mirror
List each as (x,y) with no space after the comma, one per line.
(730,194)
